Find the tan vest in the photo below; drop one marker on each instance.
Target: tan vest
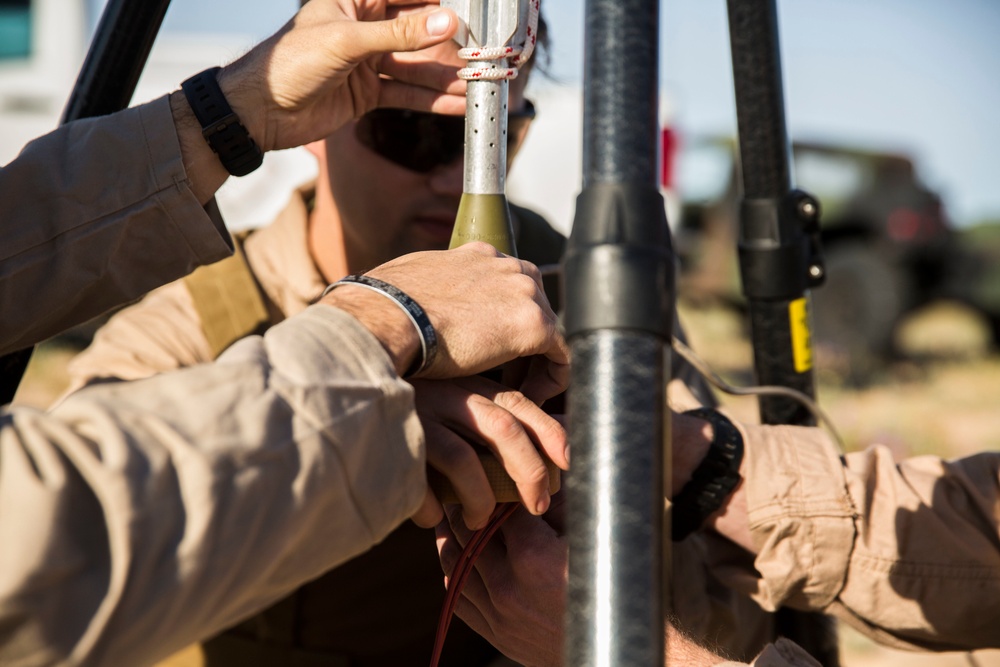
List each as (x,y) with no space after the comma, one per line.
(228,299)
(231,304)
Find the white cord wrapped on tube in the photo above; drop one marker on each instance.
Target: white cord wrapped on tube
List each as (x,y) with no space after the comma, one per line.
(481,70)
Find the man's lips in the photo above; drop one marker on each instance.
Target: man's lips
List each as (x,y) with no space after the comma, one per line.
(437,228)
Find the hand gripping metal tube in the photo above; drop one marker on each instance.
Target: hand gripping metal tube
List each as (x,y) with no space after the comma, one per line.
(492,34)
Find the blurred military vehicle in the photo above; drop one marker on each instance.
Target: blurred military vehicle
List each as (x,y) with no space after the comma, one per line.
(888,244)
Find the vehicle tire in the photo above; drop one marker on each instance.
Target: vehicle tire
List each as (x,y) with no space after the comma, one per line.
(856,311)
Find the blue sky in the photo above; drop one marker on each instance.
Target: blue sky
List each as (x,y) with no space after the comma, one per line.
(919,76)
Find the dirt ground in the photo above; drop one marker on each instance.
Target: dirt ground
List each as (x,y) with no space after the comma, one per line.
(943,401)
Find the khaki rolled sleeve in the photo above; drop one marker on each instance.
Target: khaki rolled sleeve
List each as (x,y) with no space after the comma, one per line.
(801,516)
(95,214)
(925,570)
(906,552)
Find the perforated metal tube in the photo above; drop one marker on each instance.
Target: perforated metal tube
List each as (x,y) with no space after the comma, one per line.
(486,135)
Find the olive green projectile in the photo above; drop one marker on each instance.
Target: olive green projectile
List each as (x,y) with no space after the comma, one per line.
(484,218)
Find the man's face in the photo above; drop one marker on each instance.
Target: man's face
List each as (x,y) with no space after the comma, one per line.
(387,210)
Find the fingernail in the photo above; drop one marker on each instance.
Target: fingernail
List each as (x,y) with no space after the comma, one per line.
(543,505)
(438,23)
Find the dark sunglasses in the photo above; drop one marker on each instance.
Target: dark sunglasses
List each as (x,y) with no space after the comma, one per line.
(421,141)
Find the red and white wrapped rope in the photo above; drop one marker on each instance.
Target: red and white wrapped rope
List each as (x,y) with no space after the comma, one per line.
(519,55)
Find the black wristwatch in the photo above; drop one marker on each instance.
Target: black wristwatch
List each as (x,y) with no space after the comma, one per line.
(220,125)
(714,478)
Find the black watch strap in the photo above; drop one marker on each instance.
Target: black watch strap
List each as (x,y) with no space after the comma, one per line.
(220,125)
(714,478)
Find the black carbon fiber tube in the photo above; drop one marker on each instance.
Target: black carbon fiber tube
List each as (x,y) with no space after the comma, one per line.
(116,58)
(616,501)
(619,298)
(773,243)
(774,363)
(105,84)
(760,106)
(619,114)
(774,253)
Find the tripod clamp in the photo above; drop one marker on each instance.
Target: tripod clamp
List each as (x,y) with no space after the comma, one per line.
(784,268)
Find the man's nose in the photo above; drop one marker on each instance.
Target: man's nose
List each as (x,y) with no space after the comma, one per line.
(448,179)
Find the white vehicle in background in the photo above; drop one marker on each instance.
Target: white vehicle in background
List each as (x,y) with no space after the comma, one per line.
(42,43)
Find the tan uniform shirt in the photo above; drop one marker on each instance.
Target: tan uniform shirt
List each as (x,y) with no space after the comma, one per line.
(164,331)
(907,553)
(136,518)
(94,215)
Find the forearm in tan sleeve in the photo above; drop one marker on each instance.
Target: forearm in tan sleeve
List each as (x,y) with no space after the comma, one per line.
(94,215)
(150,514)
(908,553)
(925,569)
(800,518)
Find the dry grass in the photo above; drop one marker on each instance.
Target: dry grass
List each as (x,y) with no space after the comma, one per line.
(942,401)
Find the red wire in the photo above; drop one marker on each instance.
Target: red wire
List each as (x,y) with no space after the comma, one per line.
(462,571)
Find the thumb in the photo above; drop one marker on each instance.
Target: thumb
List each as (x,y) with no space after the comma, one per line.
(410,32)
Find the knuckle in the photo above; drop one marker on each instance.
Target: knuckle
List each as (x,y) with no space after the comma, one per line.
(511,265)
(404,30)
(537,475)
(525,286)
(514,401)
(531,270)
(480,248)
(504,425)
(551,431)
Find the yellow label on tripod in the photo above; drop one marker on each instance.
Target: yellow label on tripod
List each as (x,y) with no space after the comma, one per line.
(798,320)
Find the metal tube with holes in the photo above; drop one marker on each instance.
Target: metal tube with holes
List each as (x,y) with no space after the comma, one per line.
(490,27)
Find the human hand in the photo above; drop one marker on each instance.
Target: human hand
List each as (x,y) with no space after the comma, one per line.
(455,413)
(486,308)
(515,596)
(338,59)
